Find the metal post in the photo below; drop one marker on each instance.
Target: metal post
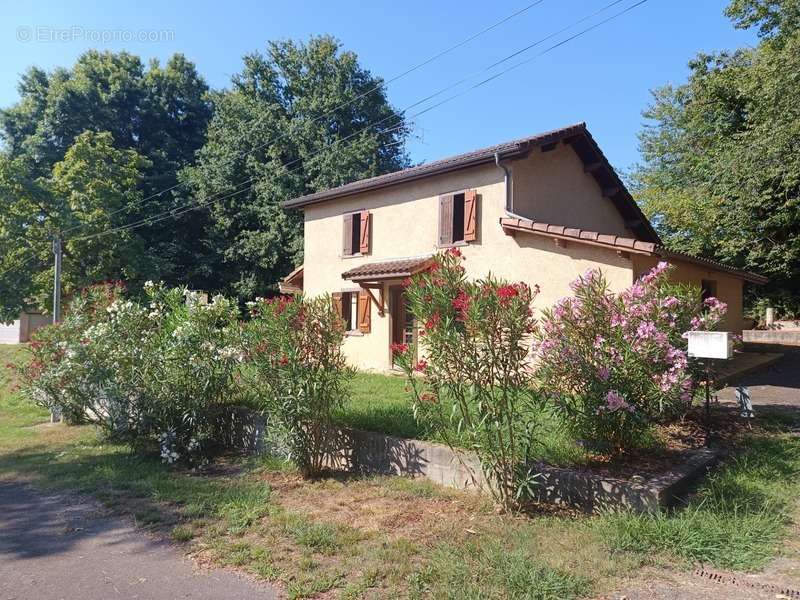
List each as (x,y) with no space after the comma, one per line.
(57,280)
(708,401)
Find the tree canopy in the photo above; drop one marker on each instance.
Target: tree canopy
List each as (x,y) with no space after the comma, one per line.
(296,119)
(721,170)
(91,148)
(82,147)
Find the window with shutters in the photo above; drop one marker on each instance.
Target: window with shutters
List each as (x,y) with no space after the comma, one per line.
(355,310)
(356,234)
(458,218)
(350,310)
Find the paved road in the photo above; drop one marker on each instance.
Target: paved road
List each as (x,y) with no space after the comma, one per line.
(57,548)
(776,387)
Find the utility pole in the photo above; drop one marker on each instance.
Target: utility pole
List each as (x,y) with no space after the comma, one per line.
(57,280)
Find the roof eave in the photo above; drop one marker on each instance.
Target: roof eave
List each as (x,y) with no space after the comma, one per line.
(336,193)
(709,264)
(624,245)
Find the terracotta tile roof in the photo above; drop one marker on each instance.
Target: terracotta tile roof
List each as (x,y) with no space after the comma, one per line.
(580,235)
(468,159)
(404,267)
(624,244)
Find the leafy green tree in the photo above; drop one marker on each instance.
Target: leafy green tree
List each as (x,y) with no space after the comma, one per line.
(721,171)
(93,188)
(286,108)
(159,113)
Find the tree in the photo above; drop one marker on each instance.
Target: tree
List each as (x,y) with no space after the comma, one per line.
(93,188)
(721,171)
(158,113)
(272,128)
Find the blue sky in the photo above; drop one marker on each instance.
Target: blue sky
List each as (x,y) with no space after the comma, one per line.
(603,77)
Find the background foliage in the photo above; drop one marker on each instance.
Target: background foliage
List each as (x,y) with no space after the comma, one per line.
(89,148)
(721,170)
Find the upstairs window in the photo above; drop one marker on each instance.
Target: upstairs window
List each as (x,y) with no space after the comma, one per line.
(458,218)
(356,233)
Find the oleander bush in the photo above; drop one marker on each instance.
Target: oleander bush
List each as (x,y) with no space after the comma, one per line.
(614,364)
(473,375)
(143,372)
(299,373)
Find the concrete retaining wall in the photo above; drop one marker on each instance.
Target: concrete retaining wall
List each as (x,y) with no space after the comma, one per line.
(771,337)
(367,452)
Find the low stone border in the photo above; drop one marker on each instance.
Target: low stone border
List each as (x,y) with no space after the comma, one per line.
(592,493)
(771,337)
(367,452)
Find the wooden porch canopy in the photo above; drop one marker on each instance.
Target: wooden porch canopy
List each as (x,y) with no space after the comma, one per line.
(293,282)
(371,276)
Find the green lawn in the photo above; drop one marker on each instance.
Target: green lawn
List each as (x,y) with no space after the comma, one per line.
(378,537)
(381,403)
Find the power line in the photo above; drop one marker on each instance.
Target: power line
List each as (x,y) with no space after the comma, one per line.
(372,90)
(223,196)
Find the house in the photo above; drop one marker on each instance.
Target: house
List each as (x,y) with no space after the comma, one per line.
(20,330)
(542,209)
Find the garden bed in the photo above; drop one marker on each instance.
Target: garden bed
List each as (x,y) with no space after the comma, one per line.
(642,481)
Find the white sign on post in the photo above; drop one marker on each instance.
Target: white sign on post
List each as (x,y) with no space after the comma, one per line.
(710,344)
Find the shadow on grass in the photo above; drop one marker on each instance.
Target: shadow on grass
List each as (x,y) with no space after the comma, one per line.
(155,495)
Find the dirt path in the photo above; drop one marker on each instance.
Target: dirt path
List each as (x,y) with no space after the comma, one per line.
(775,389)
(53,547)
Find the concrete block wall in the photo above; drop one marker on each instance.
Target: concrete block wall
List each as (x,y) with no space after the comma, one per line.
(367,452)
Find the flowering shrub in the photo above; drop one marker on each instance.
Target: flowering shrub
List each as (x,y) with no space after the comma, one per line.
(58,376)
(190,356)
(294,353)
(617,363)
(142,372)
(475,371)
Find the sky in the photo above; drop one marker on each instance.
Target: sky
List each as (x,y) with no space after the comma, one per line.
(603,77)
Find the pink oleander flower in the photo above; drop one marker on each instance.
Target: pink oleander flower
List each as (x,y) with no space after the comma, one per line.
(616,401)
(603,373)
(646,330)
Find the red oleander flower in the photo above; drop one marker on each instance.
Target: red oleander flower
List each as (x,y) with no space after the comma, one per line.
(461,303)
(433,321)
(455,252)
(507,292)
(398,348)
(421,365)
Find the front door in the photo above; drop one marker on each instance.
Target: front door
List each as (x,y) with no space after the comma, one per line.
(402,320)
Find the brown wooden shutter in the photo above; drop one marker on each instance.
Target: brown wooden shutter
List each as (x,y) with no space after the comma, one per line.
(337,303)
(446,220)
(347,236)
(364,312)
(470,216)
(366,217)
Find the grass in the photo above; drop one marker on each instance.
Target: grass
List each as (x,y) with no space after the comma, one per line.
(381,403)
(380,536)
(734,520)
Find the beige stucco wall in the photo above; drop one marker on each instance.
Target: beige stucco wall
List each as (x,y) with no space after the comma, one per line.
(549,187)
(552,187)
(405,224)
(729,288)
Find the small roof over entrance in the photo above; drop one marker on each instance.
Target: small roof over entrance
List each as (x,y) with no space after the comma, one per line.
(391,269)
